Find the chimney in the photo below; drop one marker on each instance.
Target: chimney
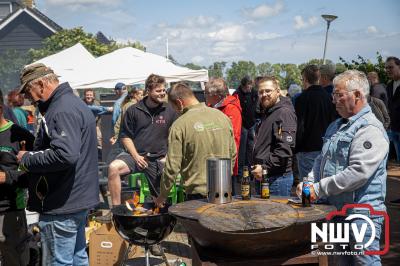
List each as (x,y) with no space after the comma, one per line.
(28,3)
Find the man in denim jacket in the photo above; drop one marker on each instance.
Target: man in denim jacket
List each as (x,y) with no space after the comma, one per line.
(352,164)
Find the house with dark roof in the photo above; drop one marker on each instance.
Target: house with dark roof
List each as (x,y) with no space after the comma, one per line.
(101,38)
(22,26)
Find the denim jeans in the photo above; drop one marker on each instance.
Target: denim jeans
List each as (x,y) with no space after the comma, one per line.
(280,185)
(305,162)
(63,239)
(373,260)
(394,137)
(245,148)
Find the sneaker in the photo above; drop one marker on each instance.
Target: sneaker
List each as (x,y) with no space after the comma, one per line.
(105,219)
(394,202)
(155,250)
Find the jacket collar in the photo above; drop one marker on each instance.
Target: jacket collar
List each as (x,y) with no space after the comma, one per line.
(194,106)
(62,89)
(363,111)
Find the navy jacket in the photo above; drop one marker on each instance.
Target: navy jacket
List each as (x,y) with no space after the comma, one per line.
(63,166)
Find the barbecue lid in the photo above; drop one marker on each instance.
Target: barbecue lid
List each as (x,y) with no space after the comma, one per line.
(253,216)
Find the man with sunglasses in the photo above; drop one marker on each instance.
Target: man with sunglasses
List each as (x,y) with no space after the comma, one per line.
(62,168)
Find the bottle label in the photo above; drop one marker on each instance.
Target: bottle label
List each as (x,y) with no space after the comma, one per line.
(245,190)
(306,188)
(265,191)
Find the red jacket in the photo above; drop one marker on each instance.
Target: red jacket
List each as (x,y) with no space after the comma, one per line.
(231,108)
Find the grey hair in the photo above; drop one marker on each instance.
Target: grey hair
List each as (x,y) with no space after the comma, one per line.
(217,86)
(353,80)
(51,78)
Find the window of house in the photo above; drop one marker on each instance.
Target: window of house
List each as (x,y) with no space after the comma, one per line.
(5,9)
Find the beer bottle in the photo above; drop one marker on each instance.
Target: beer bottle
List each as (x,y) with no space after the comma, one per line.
(264,185)
(245,185)
(306,193)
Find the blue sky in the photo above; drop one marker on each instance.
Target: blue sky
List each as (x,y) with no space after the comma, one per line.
(275,31)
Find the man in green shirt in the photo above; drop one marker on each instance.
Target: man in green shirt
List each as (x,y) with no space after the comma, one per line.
(199,133)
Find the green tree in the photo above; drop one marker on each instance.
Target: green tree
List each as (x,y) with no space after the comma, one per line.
(193,66)
(366,66)
(314,61)
(290,74)
(264,69)
(11,63)
(216,70)
(240,69)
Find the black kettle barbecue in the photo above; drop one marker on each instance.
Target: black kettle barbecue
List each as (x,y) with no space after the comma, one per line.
(143,230)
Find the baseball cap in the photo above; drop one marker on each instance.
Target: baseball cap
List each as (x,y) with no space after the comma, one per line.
(119,86)
(32,72)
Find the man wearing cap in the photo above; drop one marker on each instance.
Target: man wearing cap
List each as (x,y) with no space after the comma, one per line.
(121,91)
(62,168)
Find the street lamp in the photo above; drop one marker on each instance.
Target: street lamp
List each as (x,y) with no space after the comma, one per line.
(329,19)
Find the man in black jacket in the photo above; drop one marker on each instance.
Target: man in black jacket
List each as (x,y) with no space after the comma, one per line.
(393,89)
(275,138)
(315,111)
(14,247)
(63,167)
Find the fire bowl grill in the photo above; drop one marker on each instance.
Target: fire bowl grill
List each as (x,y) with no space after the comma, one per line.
(250,228)
(142,230)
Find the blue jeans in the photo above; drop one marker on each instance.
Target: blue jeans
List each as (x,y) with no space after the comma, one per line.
(63,239)
(245,148)
(373,260)
(280,185)
(394,137)
(305,162)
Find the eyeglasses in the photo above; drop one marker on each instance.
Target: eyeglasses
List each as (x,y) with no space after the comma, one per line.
(338,95)
(267,92)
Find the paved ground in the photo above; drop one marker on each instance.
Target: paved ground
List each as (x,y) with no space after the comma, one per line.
(176,248)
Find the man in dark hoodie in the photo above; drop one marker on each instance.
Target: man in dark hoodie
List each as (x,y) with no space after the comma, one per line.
(62,168)
(275,138)
(14,247)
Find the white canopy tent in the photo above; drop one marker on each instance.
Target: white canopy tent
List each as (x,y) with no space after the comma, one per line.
(131,66)
(128,65)
(64,63)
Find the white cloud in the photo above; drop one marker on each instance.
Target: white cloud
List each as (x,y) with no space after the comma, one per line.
(372,29)
(200,21)
(227,49)
(231,33)
(79,4)
(300,23)
(197,59)
(264,10)
(265,35)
